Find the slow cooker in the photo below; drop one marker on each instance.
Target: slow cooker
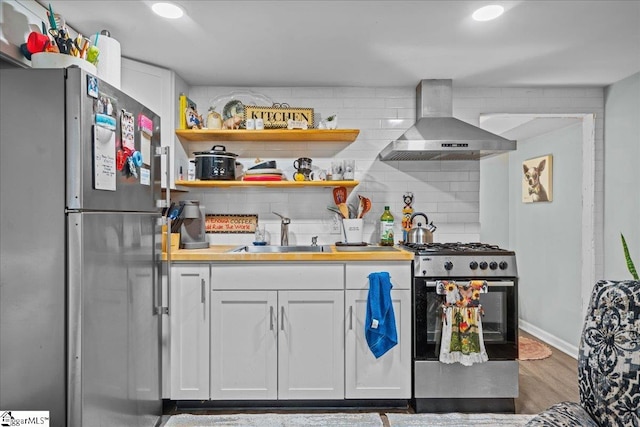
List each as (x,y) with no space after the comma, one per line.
(215,164)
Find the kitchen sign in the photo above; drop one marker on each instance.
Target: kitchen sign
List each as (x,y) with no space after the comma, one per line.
(240,223)
(278,116)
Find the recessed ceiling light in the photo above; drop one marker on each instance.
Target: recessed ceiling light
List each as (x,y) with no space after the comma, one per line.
(168,10)
(488,13)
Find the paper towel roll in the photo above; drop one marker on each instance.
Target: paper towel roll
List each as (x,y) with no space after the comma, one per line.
(109,59)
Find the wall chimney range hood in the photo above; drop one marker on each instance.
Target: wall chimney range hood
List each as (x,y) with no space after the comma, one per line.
(439,136)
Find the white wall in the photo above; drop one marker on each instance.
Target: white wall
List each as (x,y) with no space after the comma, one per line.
(547,237)
(448,192)
(494,200)
(622,181)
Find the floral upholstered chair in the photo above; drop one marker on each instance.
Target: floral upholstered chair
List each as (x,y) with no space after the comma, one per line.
(608,363)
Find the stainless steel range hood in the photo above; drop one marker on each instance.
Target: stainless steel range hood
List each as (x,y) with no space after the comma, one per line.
(439,136)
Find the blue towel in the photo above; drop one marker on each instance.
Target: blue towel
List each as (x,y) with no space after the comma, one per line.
(380,322)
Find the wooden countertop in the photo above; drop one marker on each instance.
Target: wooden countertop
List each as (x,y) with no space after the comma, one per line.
(221,253)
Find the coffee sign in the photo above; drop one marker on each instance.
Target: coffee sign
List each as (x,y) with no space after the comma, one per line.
(278,117)
(238,223)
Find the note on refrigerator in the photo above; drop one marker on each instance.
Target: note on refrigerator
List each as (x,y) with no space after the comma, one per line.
(145,148)
(104,159)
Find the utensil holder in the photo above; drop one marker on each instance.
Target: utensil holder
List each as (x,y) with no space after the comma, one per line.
(353,230)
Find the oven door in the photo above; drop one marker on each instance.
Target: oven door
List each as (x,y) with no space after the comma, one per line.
(499,323)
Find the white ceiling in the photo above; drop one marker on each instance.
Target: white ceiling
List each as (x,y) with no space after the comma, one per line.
(375,43)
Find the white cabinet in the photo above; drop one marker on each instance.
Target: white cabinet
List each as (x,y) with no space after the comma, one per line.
(244,350)
(388,377)
(311,345)
(284,330)
(159,89)
(269,342)
(189,331)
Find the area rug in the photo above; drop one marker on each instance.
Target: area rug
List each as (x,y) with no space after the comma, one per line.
(532,350)
(457,420)
(368,419)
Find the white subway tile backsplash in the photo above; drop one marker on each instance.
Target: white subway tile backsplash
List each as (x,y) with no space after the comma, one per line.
(396,92)
(365,103)
(402,124)
(400,102)
(447,191)
(312,92)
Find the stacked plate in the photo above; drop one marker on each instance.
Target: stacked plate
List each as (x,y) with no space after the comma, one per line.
(265,174)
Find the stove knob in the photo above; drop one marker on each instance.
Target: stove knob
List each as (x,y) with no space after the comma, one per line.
(473,265)
(493,265)
(483,265)
(448,265)
(503,265)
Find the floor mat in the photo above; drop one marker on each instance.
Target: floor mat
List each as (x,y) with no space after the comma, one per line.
(369,419)
(529,349)
(457,420)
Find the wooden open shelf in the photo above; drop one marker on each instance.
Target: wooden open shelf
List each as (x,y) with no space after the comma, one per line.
(276,184)
(327,135)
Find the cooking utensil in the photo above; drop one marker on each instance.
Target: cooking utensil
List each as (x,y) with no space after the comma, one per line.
(344,209)
(216,164)
(365,203)
(353,211)
(334,209)
(420,234)
(340,195)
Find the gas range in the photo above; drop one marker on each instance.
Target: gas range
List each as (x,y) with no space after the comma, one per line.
(462,260)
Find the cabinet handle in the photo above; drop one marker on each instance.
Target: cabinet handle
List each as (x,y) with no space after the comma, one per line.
(350,317)
(282,318)
(271,318)
(203,296)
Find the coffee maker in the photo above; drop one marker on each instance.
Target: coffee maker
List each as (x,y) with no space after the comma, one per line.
(192,233)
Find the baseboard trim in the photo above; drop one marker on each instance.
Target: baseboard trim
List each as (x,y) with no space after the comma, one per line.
(552,340)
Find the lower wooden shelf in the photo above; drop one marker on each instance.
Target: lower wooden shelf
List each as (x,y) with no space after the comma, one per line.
(276,184)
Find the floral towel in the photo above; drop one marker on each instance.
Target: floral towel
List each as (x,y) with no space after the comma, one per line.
(462,339)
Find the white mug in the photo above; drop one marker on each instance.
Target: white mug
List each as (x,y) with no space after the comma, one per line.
(318,175)
(250,124)
(259,124)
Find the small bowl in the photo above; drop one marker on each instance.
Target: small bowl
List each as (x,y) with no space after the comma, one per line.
(259,243)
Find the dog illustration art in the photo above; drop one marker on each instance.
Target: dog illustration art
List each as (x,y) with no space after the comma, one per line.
(532,175)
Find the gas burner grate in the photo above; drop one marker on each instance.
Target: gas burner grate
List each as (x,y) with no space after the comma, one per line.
(453,247)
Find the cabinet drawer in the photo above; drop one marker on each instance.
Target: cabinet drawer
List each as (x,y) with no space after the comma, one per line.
(357,274)
(266,276)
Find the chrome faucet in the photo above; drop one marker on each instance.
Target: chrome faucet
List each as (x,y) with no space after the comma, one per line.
(284,229)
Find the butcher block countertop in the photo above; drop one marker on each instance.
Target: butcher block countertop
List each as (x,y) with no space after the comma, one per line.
(222,253)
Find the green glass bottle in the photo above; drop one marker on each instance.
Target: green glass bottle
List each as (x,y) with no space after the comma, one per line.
(386,228)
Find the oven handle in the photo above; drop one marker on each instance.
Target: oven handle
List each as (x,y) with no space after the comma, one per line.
(432,284)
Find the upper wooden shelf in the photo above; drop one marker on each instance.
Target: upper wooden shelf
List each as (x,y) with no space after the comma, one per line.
(329,135)
(277,184)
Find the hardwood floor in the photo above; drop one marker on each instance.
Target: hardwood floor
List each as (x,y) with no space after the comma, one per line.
(547,381)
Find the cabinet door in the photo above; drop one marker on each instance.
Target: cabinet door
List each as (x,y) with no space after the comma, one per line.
(159,89)
(388,377)
(189,320)
(244,345)
(311,345)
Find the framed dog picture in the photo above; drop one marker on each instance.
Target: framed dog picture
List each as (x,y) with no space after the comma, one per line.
(537,180)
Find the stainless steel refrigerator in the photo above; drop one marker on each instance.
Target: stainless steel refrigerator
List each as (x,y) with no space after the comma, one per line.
(79,250)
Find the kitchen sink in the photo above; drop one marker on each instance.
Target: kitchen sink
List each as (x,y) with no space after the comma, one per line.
(366,249)
(281,249)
